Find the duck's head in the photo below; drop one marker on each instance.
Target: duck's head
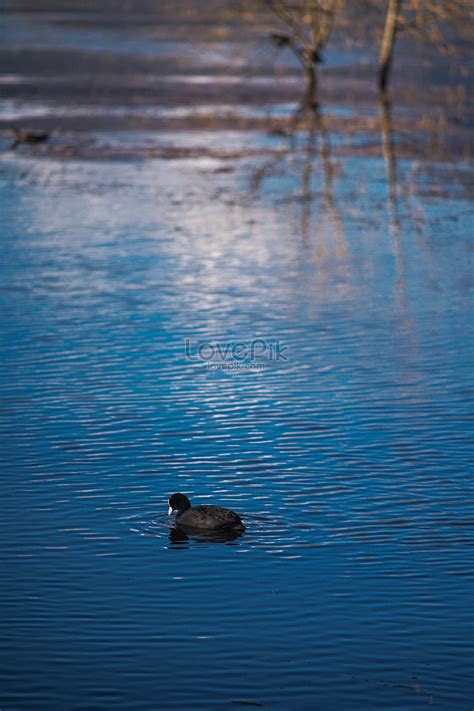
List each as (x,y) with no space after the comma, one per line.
(179,503)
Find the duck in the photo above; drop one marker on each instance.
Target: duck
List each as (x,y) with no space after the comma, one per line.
(202,518)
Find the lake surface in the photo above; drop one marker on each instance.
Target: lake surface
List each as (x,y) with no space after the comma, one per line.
(349,458)
(349,462)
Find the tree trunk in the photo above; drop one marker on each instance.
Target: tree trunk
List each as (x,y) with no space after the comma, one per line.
(311,86)
(388,42)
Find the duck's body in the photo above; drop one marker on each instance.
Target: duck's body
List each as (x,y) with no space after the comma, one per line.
(203,518)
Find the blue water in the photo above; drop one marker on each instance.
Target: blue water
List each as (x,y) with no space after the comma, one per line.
(350,462)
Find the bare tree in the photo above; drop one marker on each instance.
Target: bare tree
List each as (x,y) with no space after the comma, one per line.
(307,26)
(429,20)
(388,41)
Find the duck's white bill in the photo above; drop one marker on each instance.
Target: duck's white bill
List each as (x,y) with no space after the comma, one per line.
(170,511)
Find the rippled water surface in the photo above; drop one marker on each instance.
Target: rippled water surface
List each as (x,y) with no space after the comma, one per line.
(349,462)
(347,244)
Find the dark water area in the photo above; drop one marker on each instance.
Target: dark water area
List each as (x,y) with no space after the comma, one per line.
(349,458)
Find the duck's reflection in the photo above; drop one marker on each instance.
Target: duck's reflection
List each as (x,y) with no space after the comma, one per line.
(181,537)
